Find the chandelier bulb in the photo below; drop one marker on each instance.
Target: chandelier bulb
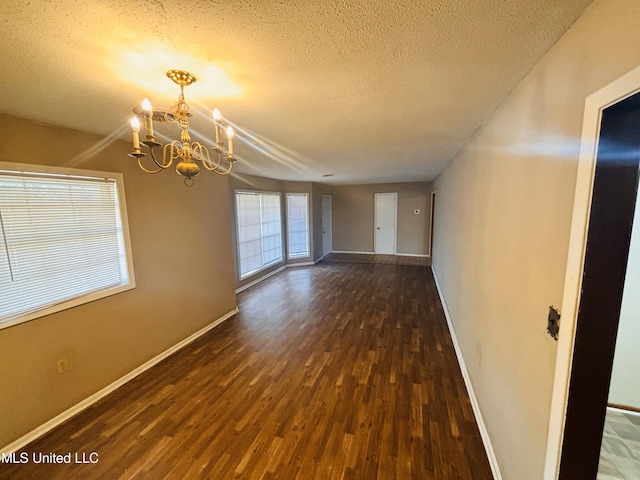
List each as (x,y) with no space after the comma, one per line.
(135,128)
(148,116)
(230,136)
(216,125)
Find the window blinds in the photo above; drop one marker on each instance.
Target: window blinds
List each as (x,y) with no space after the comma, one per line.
(271,228)
(60,238)
(249,232)
(259,229)
(298,224)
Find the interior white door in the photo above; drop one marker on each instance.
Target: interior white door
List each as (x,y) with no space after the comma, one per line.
(385,223)
(327,234)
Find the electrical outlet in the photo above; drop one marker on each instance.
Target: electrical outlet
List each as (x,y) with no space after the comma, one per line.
(62,365)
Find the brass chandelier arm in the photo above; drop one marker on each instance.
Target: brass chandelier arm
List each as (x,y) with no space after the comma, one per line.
(227,171)
(216,167)
(201,154)
(146,170)
(209,165)
(175,151)
(162,165)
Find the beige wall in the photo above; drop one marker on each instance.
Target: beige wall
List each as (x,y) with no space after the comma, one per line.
(503,212)
(353,217)
(184,273)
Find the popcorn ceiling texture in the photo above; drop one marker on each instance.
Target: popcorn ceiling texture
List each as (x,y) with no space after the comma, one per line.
(370,91)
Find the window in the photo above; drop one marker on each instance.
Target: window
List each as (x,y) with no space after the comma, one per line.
(259,230)
(62,240)
(298,225)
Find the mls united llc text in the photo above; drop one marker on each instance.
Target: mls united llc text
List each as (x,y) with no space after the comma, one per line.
(39,457)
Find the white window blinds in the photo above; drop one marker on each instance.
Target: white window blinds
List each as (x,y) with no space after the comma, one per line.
(60,239)
(271,228)
(259,229)
(249,232)
(298,225)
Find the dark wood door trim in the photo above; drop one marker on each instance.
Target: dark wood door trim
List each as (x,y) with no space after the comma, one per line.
(432,209)
(607,249)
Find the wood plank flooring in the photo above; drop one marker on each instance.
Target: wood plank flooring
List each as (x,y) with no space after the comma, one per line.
(377,258)
(336,371)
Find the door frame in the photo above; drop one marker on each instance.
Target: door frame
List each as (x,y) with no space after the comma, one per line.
(623,87)
(395,220)
(432,215)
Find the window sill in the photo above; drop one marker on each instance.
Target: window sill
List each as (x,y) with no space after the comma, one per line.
(65,305)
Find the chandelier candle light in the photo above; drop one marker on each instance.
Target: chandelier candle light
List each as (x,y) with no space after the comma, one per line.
(186,153)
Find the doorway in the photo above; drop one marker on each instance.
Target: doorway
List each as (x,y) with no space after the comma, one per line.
(604,205)
(385,223)
(327,232)
(432,223)
(614,195)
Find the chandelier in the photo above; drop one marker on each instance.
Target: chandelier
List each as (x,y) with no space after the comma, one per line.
(187,154)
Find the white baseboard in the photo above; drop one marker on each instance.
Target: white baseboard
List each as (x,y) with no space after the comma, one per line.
(484,433)
(264,277)
(624,411)
(302,264)
(357,253)
(373,253)
(87,402)
(258,280)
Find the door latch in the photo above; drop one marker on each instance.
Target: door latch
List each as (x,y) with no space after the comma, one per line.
(553,322)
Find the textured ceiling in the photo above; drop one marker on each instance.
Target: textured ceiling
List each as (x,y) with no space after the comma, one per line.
(369,91)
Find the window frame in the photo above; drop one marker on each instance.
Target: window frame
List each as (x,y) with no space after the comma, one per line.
(264,266)
(307,254)
(53,171)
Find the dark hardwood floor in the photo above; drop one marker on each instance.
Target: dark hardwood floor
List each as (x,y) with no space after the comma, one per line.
(340,370)
(377,259)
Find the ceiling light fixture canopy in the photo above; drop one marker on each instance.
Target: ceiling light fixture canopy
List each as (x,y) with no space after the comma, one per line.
(187,154)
